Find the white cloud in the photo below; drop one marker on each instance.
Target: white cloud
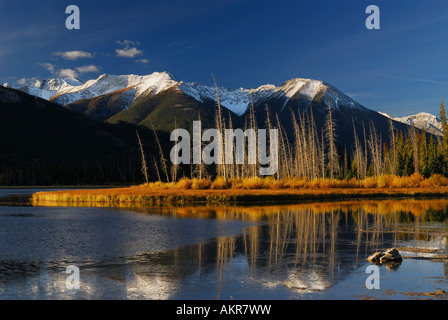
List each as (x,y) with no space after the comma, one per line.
(87,69)
(130,49)
(68,73)
(142,61)
(128,52)
(50,67)
(23,81)
(73,55)
(126,43)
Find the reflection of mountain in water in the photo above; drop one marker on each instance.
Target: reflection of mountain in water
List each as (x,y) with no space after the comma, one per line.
(299,249)
(293,250)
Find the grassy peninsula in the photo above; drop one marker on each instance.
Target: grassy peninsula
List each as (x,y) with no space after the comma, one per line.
(249,190)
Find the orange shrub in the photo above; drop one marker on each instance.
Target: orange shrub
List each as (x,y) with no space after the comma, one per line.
(237,183)
(201,184)
(295,183)
(353,183)
(159,185)
(220,183)
(184,183)
(436,180)
(271,183)
(414,180)
(385,181)
(253,183)
(398,182)
(369,182)
(314,184)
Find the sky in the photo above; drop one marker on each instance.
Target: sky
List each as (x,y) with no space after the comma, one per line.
(400,69)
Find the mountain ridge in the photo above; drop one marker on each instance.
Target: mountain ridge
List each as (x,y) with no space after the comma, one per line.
(163,102)
(236,100)
(421,120)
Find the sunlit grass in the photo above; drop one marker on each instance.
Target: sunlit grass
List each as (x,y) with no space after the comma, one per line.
(416,180)
(250,190)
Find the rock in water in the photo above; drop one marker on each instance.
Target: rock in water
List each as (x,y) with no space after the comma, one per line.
(376,256)
(390,255)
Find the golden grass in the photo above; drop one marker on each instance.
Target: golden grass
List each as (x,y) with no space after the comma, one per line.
(384,181)
(153,197)
(250,190)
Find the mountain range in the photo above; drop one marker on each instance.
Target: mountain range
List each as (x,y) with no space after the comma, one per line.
(70,131)
(162,101)
(422,120)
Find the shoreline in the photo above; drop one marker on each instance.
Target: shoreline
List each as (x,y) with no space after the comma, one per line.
(157,197)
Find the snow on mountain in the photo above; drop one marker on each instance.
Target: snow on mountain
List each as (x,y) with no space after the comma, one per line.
(235,100)
(239,100)
(65,91)
(48,88)
(422,120)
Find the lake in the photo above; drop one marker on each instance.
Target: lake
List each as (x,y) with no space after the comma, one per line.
(281,252)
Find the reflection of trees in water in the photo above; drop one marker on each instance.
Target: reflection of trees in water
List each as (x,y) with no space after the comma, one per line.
(315,241)
(303,248)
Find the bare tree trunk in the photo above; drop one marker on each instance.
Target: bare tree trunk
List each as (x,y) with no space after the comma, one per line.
(221,168)
(375,150)
(415,153)
(163,161)
(393,147)
(253,126)
(358,154)
(333,163)
(144,165)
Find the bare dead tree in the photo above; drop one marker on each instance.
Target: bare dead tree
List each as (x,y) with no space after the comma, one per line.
(163,161)
(144,164)
(414,143)
(220,125)
(330,133)
(375,151)
(360,164)
(393,147)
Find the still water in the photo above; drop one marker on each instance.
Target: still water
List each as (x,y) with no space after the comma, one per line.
(302,251)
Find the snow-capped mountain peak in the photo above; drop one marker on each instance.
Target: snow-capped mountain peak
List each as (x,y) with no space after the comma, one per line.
(48,88)
(66,91)
(422,120)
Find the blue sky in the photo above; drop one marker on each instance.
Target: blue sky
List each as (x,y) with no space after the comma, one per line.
(401,68)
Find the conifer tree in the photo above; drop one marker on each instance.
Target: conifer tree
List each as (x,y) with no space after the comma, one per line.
(443,120)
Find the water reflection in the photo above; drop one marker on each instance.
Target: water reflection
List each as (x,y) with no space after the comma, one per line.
(308,248)
(286,252)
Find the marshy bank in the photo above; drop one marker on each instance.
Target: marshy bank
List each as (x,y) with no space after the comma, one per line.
(136,196)
(308,250)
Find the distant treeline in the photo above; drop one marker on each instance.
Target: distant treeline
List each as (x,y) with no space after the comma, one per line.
(313,153)
(307,151)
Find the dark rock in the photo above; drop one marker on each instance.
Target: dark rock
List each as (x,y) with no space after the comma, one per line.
(376,256)
(390,255)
